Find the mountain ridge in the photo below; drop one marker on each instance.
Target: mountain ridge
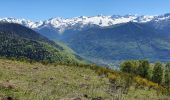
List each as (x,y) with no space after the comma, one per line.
(59,26)
(99,20)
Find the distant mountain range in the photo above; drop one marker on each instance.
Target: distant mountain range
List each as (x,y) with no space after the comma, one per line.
(108,39)
(62,24)
(55,27)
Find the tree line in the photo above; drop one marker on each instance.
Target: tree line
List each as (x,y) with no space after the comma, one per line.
(157,72)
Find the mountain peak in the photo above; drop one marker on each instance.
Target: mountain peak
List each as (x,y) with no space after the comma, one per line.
(80,22)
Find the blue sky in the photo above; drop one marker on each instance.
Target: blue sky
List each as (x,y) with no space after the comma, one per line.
(45,9)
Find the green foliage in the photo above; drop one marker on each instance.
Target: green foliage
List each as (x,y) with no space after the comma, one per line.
(144,82)
(167,78)
(21,43)
(126,80)
(143,68)
(129,66)
(167,66)
(139,67)
(158,73)
(154,76)
(167,75)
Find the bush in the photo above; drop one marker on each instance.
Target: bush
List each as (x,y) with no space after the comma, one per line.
(139,67)
(129,66)
(146,83)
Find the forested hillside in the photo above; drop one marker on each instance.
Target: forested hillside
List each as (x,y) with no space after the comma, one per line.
(19,42)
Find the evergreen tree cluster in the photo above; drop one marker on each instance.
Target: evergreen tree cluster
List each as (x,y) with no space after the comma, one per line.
(158,72)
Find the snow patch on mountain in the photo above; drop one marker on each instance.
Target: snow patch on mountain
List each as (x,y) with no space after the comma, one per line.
(62,24)
(27,23)
(144,19)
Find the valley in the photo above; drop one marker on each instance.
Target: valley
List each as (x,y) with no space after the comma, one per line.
(124,60)
(105,40)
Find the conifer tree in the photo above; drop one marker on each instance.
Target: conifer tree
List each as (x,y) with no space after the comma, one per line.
(167,75)
(157,73)
(143,68)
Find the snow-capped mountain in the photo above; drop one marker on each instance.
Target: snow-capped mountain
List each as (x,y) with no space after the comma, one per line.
(61,23)
(161,22)
(27,23)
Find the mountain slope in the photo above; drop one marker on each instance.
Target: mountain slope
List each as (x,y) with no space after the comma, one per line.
(23,81)
(121,42)
(161,23)
(105,39)
(36,81)
(20,42)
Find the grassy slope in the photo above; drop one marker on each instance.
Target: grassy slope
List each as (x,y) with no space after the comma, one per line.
(37,81)
(26,81)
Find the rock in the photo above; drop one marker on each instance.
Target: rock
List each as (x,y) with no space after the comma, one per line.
(35,68)
(7,85)
(97,98)
(51,78)
(84,86)
(85,95)
(78,98)
(9,98)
